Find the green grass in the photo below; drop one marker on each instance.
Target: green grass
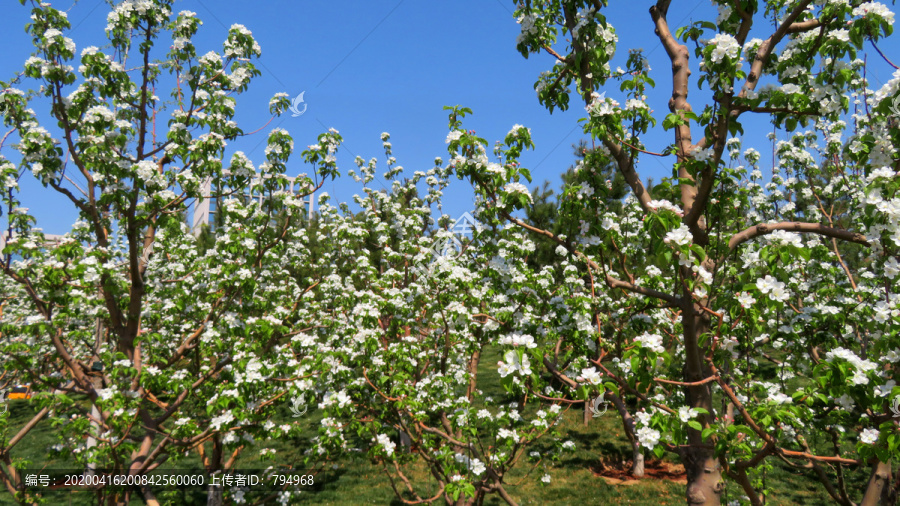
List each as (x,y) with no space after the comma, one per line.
(359,481)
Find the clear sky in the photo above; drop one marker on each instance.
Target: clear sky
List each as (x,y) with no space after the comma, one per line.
(368,67)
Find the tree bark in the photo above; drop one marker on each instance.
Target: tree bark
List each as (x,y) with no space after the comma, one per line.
(149,497)
(704,476)
(214,498)
(214,466)
(704,473)
(637,465)
(405,440)
(588,412)
(637,462)
(879,488)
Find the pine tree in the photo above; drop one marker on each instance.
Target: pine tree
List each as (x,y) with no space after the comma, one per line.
(544,213)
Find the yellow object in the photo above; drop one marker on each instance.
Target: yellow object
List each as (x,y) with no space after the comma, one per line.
(20,392)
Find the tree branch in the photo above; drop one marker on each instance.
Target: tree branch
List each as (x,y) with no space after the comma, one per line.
(766,48)
(610,281)
(796,226)
(681,72)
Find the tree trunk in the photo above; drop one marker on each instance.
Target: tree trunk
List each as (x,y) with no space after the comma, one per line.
(588,414)
(473,373)
(704,473)
(149,497)
(215,498)
(214,466)
(637,466)
(405,441)
(879,489)
(637,462)
(704,477)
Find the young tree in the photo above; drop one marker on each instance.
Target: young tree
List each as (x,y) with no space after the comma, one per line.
(722,271)
(397,353)
(133,333)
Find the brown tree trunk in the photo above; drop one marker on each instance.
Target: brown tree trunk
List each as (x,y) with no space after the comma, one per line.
(879,489)
(149,497)
(704,472)
(588,413)
(637,462)
(473,373)
(704,476)
(214,495)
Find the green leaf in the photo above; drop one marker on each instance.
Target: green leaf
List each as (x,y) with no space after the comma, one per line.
(671,121)
(612,387)
(699,251)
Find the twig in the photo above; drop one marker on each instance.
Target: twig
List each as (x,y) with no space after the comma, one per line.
(889,62)
(637,148)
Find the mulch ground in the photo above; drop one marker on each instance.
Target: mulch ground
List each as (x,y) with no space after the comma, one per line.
(619,472)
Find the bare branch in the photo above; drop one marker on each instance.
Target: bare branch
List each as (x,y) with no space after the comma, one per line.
(889,62)
(554,53)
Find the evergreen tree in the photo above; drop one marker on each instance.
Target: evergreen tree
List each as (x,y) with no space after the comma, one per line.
(595,169)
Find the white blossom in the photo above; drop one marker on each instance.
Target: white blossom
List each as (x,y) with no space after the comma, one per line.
(869,436)
(681,236)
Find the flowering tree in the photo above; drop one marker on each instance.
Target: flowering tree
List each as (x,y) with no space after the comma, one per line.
(174,350)
(725,274)
(731,319)
(398,348)
(157,346)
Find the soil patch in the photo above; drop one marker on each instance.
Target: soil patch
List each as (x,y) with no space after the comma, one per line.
(618,472)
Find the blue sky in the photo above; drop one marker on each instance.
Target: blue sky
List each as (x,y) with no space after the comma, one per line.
(376,66)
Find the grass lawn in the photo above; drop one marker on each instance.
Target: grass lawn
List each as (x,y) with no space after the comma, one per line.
(574,480)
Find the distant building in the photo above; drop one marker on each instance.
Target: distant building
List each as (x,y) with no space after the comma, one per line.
(206,212)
